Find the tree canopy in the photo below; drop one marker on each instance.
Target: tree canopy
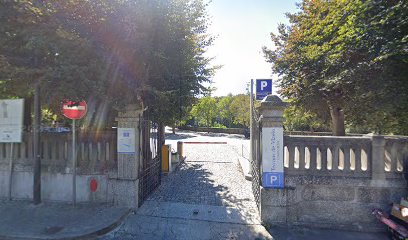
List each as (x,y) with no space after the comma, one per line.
(107,52)
(347,60)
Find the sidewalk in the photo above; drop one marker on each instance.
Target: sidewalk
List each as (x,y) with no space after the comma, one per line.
(23,220)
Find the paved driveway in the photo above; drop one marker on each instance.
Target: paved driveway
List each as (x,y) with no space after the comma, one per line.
(207,197)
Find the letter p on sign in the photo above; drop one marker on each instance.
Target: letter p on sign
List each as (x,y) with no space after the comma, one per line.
(263,88)
(264,84)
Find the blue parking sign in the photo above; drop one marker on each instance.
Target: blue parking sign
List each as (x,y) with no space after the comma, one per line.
(273,180)
(263,88)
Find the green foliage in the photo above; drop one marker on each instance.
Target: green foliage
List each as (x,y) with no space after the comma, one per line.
(205,111)
(229,111)
(226,112)
(346,56)
(218,125)
(298,119)
(118,51)
(240,106)
(48,117)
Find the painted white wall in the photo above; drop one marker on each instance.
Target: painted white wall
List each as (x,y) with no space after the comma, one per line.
(54,187)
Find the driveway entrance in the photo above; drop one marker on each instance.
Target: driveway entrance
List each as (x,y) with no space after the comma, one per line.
(207,197)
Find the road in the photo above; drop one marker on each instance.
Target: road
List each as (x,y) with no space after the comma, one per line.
(207,197)
(236,141)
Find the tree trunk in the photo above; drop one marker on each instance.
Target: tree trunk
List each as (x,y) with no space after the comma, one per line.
(337,117)
(161,132)
(173,129)
(28,104)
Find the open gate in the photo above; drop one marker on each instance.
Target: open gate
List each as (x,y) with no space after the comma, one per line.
(150,167)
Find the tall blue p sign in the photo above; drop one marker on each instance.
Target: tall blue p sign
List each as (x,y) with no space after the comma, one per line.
(263,88)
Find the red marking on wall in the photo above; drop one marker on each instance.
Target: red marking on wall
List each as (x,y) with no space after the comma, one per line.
(93,185)
(205,142)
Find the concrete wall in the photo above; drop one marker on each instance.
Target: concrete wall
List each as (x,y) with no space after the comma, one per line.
(54,187)
(116,174)
(96,158)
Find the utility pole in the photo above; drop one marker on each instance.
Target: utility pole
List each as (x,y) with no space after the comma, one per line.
(36,141)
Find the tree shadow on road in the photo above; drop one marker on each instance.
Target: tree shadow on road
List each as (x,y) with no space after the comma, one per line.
(178,136)
(194,183)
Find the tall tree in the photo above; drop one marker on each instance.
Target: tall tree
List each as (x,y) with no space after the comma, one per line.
(336,57)
(107,52)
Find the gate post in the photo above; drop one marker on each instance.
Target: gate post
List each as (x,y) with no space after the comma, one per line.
(273,194)
(124,182)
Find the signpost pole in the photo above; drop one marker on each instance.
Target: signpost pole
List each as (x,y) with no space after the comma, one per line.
(10,170)
(73,164)
(36,146)
(251,123)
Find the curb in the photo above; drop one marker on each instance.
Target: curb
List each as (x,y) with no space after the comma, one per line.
(106,229)
(245,167)
(91,235)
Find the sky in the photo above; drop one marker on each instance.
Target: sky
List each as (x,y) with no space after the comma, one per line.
(242,28)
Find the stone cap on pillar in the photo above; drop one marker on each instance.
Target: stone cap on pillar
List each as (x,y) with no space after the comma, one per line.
(130,111)
(272,106)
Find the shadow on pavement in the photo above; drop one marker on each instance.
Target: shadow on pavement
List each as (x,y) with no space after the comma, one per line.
(205,198)
(178,136)
(298,233)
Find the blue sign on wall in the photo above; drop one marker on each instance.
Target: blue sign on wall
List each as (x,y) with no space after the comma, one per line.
(263,88)
(273,180)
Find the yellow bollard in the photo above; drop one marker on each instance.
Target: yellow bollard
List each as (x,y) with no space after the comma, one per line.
(165,158)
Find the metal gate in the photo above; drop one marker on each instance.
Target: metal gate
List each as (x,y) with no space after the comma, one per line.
(256,153)
(150,167)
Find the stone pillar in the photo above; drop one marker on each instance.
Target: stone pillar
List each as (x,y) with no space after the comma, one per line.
(124,183)
(377,160)
(273,200)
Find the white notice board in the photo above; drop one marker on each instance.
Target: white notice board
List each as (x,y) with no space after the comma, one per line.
(126,140)
(272,158)
(11,120)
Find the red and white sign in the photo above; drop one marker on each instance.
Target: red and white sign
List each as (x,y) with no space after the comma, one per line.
(74,110)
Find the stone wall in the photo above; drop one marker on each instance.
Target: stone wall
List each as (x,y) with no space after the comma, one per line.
(335,182)
(330,182)
(214,130)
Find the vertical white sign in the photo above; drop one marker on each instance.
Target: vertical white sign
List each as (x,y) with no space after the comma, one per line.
(126,140)
(11,120)
(272,158)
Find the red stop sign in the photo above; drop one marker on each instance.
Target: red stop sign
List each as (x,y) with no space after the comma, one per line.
(74,110)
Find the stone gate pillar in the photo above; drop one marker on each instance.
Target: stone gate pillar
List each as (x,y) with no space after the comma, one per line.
(273,194)
(124,181)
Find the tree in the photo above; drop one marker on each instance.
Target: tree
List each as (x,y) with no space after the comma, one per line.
(226,112)
(205,111)
(337,56)
(108,52)
(297,119)
(241,108)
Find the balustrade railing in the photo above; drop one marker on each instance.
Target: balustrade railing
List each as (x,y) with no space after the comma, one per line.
(342,156)
(96,152)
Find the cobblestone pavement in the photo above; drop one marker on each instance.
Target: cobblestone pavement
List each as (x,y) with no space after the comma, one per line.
(207,197)
(209,176)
